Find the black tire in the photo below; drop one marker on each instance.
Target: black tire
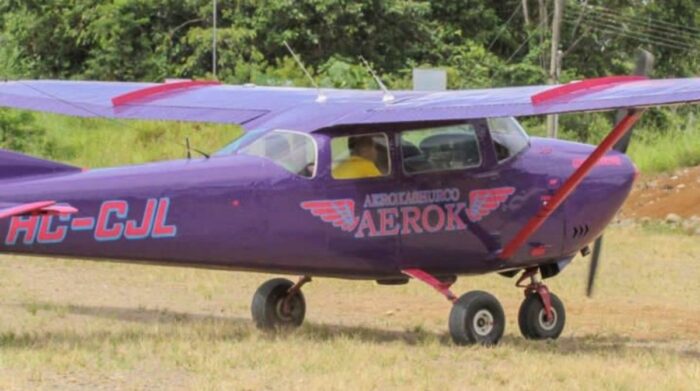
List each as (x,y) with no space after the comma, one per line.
(532,319)
(477,318)
(268,305)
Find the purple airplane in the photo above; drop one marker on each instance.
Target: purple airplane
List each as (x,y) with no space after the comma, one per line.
(338,183)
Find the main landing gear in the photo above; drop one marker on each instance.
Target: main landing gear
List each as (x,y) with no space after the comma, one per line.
(478,318)
(279,303)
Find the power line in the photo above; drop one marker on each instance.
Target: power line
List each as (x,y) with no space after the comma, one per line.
(624,28)
(657,21)
(505,25)
(522,45)
(601,26)
(641,36)
(650,25)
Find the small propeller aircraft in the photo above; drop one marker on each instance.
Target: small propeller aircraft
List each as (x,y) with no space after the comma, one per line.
(340,183)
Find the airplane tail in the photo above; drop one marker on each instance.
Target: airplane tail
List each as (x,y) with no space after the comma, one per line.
(15,165)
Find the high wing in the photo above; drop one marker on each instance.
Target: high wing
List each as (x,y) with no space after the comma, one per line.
(9,209)
(300,107)
(610,93)
(178,101)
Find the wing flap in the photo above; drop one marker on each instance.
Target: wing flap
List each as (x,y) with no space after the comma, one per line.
(35,208)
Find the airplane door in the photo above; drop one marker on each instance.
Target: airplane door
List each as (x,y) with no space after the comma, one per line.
(450,205)
(366,242)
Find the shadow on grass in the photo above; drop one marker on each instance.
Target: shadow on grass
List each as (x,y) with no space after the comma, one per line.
(227,328)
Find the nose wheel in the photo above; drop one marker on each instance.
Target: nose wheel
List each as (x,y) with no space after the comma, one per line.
(542,314)
(533,320)
(279,303)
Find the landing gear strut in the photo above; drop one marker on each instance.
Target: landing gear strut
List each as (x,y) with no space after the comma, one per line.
(542,314)
(279,303)
(476,317)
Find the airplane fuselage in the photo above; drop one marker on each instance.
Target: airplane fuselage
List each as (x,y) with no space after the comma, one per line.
(246,213)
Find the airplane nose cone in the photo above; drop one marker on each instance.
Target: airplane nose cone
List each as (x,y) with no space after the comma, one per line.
(600,196)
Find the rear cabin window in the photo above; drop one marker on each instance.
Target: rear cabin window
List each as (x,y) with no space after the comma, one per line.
(295,152)
(437,149)
(508,137)
(360,156)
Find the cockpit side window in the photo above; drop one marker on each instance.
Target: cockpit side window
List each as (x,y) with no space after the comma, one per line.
(360,156)
(295,152)
(508,137)
(438,149)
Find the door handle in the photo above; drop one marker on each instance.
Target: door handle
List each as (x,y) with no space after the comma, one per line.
(488,175)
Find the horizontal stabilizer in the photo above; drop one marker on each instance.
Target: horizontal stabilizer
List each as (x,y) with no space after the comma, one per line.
(15,165)
(51,208)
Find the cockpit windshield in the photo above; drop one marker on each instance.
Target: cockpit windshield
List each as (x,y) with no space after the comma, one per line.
(295,152)
(509,138)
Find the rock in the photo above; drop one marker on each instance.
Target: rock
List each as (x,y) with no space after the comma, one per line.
(645,220)
(690,226)
(653,184)
(673,218)
(681,186)
(625,223)
(675,177)
(695,218)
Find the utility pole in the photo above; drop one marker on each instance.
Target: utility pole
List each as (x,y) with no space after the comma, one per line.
(555,62)
(213,44)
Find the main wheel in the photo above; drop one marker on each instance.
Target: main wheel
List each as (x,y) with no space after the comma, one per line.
(477,318)
(273,307)
(532,318)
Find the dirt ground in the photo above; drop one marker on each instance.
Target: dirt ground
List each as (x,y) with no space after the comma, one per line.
(77,325)
(656,196)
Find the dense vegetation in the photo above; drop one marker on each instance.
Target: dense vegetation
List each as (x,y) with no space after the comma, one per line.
(481,43)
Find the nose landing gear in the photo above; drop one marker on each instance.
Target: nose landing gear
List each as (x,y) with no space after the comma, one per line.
(542,314)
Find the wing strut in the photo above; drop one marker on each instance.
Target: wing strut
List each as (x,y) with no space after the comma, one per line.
(571,184)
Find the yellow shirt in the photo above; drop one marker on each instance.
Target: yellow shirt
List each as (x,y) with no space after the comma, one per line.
(355,167)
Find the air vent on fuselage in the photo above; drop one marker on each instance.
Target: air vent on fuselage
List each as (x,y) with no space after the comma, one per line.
(580,231)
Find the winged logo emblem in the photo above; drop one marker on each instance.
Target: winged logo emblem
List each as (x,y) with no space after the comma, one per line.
(340,213)
(483,202)
(410,213)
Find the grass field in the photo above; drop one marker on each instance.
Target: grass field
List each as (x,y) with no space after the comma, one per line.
(73,325)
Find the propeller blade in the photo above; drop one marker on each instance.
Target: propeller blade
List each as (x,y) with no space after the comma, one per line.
(645,64)
(593,269)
